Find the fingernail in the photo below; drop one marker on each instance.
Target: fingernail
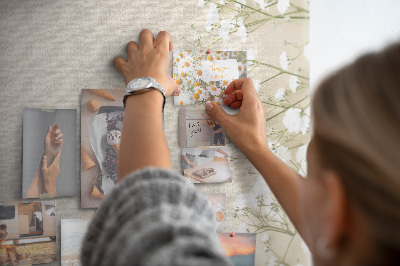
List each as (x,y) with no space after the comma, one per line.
(179,89)
(209,106)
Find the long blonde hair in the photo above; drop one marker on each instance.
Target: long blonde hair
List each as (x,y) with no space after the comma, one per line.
(356,114)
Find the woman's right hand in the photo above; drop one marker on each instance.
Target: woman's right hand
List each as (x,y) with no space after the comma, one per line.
(247,128)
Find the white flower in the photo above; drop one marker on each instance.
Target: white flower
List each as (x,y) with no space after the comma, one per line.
(283,5)
(222,2)
(294,122)
(224,29)
(284,60)
(256,84)
(293,83)
(280,151)
(265,238)
(307,111)
(184,98)
(212,16)
(301,158)
(272,261)
(242,228)
(201,3)
(251,199)
(241,33)
(251,55)
(280,94)
(213,90)
(241,2)
(196,38)
(262,3)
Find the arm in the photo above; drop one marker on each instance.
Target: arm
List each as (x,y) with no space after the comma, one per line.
(188,162)
(143,141)
(251,121)
(222,152)
(36,186)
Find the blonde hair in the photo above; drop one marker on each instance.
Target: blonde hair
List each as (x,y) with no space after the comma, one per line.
(356,114)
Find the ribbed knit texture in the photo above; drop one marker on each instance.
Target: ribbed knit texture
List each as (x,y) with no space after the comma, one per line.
(153,217)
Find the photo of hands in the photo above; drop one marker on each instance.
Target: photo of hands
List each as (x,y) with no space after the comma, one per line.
(49,153)
(208,165)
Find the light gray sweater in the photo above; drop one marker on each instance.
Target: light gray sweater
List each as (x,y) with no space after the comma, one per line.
(153,217)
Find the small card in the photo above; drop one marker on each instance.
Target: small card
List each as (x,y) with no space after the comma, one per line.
(218,202)
(240,248)
(204,76)
(198,129)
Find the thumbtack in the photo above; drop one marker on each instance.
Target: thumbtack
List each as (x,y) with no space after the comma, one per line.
(232,234)
(208,51)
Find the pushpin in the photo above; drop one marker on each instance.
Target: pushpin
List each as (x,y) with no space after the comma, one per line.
(232,234)
(208,51)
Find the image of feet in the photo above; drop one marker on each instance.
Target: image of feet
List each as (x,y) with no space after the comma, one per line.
(102,114)
(198,128)
(49,153)
(28,233)
(208,165)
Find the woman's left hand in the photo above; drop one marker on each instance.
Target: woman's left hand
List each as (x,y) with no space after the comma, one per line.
(149,59)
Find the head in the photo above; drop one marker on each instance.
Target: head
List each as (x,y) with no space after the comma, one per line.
(3,227)
(351,198)
(210,121)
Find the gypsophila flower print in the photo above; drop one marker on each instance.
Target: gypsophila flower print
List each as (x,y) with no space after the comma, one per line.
(275,35)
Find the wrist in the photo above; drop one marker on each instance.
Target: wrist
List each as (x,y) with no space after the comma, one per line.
(148,100)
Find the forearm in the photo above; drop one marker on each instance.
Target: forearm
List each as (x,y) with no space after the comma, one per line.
(282,180)
(33,190)
(143,141)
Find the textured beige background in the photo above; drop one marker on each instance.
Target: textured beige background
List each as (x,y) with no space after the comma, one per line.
(50,50)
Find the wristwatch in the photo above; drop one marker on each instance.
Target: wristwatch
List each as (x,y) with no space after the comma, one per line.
(142,85)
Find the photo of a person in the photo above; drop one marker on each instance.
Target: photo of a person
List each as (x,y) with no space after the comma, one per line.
(48,170)
(208,165)
(216,129)
(9,249)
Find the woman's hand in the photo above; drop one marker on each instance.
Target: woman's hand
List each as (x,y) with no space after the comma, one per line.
(50,174)
(150,59)
(247,129)
(53,142)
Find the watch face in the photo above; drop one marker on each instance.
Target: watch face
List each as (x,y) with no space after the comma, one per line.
(140,83)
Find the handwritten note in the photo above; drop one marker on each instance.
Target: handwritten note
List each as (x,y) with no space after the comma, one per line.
(219,70)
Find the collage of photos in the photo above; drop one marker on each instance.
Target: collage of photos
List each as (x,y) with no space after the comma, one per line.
(102,114)
(204,74)
(49,153)
(28,233)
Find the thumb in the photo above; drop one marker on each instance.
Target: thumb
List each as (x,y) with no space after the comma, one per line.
(44,163)
(218,113)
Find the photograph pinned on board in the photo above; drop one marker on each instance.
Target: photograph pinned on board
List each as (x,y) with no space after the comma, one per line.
(218,202)
(72,233)
(240,248)
(102,114)
(49,153)
(28,233)
(204,75)
(197,129)
(206,164)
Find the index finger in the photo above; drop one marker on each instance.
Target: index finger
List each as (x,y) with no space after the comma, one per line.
(244,84)
(164,41)
(55,127)
(146,39)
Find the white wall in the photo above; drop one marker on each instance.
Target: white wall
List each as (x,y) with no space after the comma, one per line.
(341,30)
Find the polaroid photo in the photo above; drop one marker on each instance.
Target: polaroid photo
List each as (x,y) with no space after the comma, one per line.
(49,136)
(240,248)
(206,164)
(218,202)
(28,233)
(204,76)
(102,114)
(72,233)
(198,129)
